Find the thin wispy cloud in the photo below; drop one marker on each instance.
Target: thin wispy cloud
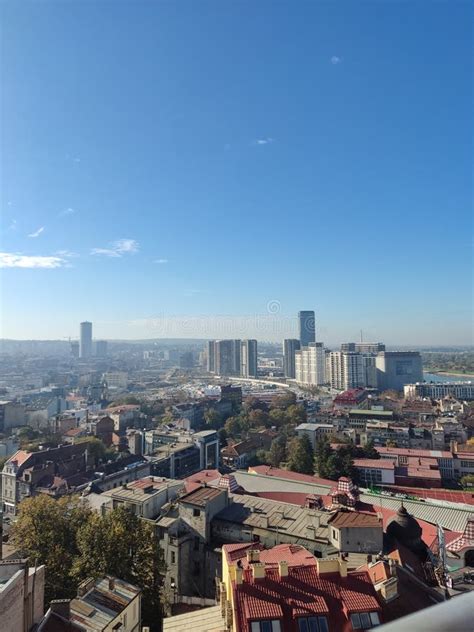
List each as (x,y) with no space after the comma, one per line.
(118,248)
(160,261)
(336,60)
(264,141)
(67,211)
(17,260)
(37,233)
(66,253)
(13,225)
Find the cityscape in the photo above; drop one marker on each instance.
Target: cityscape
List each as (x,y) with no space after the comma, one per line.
(236,323)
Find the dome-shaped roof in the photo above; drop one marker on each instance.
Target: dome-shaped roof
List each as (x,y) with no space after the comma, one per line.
(404,528)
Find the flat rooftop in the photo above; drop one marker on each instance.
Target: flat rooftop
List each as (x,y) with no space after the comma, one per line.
(201,496)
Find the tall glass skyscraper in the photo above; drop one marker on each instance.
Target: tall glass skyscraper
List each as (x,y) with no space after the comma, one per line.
(307,327)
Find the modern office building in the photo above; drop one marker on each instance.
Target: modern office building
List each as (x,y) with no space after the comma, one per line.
(211,356)
(460,390)
(397,368)
(248,358)
(310,365)
(369,347)
(290,347)
(101,348)
(85,345)
(345,370)
(307,327)
(227,357)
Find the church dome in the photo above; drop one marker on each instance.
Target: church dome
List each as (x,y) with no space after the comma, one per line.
(405,529)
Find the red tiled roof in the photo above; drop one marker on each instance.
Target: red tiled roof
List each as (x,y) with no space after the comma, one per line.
(20,457)
(203,476)
(437,454)
(268,470)
(303,592)
(450,495)
(294,554)
(381,464)
(354,519)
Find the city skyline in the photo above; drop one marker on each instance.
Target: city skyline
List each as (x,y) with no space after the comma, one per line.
(313,149)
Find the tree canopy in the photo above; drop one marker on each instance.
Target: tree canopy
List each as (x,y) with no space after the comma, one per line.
(300,455)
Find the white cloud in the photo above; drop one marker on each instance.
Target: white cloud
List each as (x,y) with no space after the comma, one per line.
(13,224)
(160,261)
(264,141)
(37,233)
(66,253)
(17,260)
(67,211)
(117,248)
(336,60)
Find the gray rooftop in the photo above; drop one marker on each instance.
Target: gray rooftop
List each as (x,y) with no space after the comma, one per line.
(284,518)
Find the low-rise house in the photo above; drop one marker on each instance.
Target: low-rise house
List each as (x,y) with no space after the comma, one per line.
(144,497)
(354,531)
(102,605)
(237,455)
(26,473)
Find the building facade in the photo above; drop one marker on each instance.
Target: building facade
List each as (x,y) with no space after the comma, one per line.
(248,358)
(310,366)
(345,370)
(397,368)
(85,343)
(307,327)
(290,347)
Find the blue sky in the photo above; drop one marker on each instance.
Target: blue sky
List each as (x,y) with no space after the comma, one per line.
(171,166)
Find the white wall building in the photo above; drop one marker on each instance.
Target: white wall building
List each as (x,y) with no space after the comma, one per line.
(310,365)
(21,595)
(345,370)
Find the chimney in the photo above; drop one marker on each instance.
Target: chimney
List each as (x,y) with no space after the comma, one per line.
(283,568)
(393,567)
(253,555)
(342,567)
(111,583)
(85,586)
(258,570)
(238,576)
(62,607)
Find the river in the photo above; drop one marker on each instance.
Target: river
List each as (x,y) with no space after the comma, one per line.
(436,377)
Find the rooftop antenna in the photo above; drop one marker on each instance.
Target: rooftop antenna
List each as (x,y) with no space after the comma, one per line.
(361,337)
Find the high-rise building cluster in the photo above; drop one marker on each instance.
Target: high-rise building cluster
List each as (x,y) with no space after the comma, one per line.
(355,365)
(232,357)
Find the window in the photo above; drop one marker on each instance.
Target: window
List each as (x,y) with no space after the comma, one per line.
(196,513)
(312,624)
(364,620)
(266,626)
(173,557)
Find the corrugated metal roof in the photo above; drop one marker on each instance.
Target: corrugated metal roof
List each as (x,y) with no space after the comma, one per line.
(297,522)
(452,518)
(206,620)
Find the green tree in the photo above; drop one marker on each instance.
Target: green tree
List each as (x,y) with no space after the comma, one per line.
(213,418)
(324,460)
(257,418)
(233,427)
(125,546)
(296,414)
(369,451)
(45,532)
(278,417)
(277,452)
(96,448)
(285,400)
(467,481)
(300,455)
